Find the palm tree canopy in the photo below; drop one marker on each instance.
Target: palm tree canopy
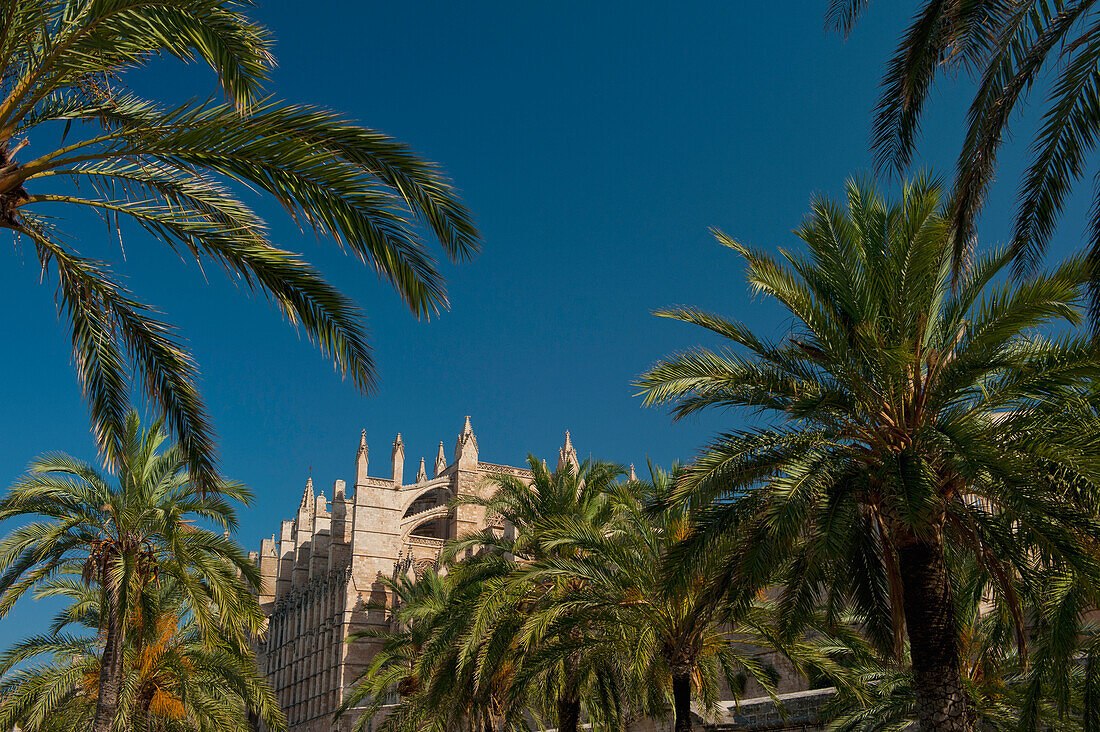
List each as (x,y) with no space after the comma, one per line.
(900,411)
(1006,47)
(132,531)
(171,171)
(661,628)
(558,661)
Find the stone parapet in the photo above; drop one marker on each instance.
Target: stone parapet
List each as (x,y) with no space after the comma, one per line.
(801,712)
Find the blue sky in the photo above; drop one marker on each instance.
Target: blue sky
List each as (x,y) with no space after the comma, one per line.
(595,143)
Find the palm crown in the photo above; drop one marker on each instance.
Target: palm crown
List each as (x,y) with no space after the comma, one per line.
(909,414)
(126,535)
(662,618)
(170,170)
(521,615)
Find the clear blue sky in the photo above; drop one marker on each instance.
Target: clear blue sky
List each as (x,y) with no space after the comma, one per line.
(595,144)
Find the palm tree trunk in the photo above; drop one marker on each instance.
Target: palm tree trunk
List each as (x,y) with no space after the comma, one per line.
(681,700)
(569,713)
(110,666)
(933,638)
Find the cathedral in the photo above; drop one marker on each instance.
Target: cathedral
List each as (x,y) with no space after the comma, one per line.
(321,570)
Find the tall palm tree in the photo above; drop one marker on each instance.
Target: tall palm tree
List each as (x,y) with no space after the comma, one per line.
(677,637)
(126,534)
(430,662)
(170,170)
(1006,47)
(904,415)
(176,677)
(521,618)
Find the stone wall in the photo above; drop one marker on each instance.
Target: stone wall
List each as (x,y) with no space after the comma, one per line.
(801,713)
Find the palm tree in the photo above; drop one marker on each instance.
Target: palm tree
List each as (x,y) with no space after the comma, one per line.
(907,416)
(676,635)
(176,677)
(419,606)
(1006,47)
(169,170)
(520,618)
(125,536)
(430,662)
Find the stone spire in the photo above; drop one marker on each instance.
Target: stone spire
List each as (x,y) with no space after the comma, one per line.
(440,460)
(466,448)
(307,494)
(422,474)
(303,524)
(398,459)
(633,475)
(361,460)
(567,455)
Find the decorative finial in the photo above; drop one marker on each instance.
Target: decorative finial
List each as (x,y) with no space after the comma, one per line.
(466,447)
(633,475)
(398,459)
(422,474)
(307,494)
(363,441)
(440,460)
(567,455)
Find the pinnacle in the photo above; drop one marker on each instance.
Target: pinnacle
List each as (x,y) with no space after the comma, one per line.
(567,454)
(363,441)
(467,429)
(307,494)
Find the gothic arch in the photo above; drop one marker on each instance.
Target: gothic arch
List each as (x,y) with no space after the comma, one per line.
(443,487)
(411,523)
